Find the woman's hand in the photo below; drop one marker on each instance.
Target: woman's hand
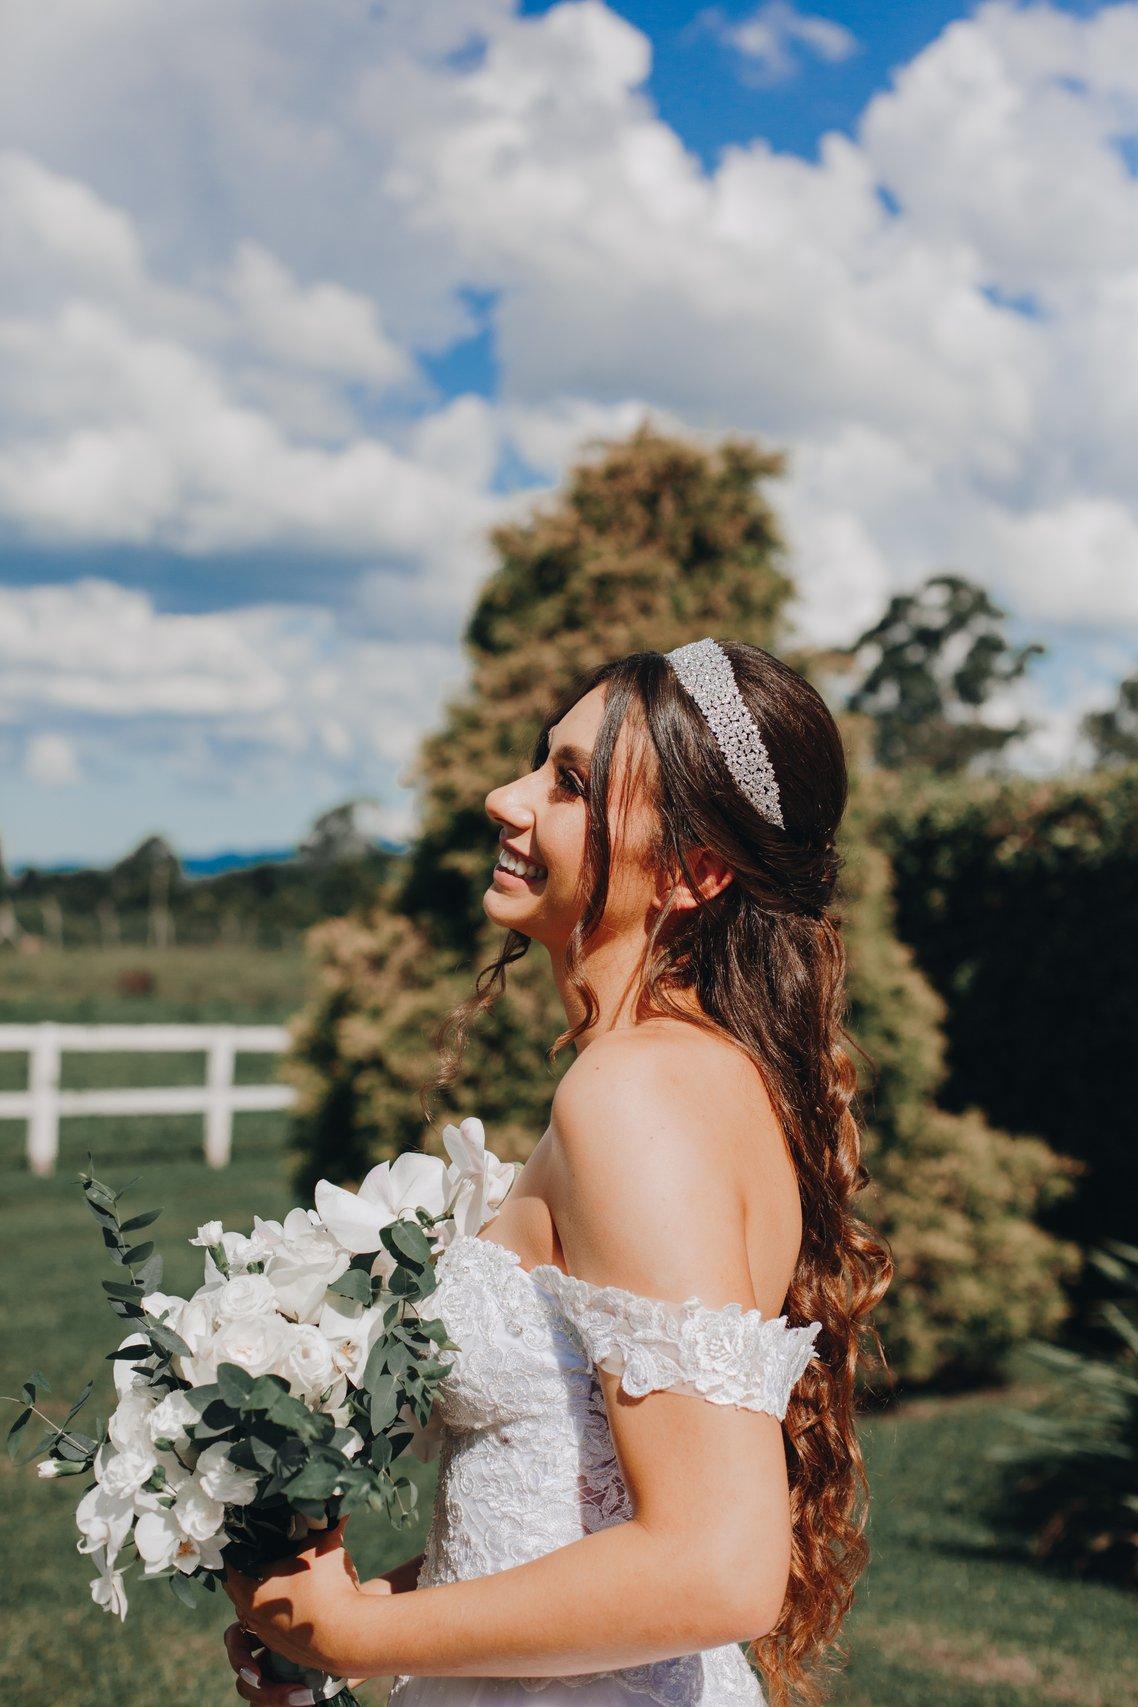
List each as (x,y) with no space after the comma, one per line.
(251,1686)
(296,1606)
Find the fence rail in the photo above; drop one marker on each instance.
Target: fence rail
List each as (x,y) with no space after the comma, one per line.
(43,1103)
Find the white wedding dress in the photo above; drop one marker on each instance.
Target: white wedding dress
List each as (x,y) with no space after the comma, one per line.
(526,1461)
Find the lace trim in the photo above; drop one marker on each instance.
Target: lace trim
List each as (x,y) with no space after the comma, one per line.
(727,1354)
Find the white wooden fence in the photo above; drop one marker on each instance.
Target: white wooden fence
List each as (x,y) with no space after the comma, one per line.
(218,1099)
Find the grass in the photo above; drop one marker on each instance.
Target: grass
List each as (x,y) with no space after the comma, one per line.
(942,1618)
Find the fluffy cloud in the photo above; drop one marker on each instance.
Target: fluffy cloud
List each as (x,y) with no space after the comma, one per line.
(774,39)
(214,339)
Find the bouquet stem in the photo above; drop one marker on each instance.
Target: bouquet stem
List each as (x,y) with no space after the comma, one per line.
(326,1689)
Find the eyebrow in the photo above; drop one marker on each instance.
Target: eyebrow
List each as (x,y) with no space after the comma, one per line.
(574,754)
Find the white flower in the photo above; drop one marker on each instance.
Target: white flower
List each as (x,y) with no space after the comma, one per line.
(128,1374)
(257,1343)
(172,1416)
(412,1181)
(308,1366)
(103,1519)
(165,1305)
(241,1250)
(162,1542)
(243,1296)
(477,1181)
(199,1516)
(196,1326)
(107,1589)
(209,1234)
(223,1480)
(49,1467)
(303,1264)
(121,1473)
(129,1424)
(351,1331)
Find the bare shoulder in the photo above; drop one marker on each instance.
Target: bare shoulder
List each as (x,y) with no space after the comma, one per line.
(646,1188)
(710,1086)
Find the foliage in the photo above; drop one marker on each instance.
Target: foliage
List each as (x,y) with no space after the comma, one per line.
(653,543)
(1113,733)
(1074,1490)
(958,1198)
(931,664)
(1019,897)
(269,903)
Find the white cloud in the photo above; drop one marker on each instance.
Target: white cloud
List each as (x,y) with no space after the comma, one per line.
(51,760)
(774,39)
(210,340)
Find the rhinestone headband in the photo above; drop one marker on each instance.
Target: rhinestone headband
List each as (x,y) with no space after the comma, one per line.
(704,669)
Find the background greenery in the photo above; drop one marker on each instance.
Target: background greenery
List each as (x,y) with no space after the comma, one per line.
(946,1614)
(988,920)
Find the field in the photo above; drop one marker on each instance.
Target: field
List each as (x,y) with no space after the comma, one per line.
(942,1618)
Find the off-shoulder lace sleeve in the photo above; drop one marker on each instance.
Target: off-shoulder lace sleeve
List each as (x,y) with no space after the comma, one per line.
(727,1354)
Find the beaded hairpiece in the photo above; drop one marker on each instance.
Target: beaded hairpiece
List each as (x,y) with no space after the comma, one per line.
(704,669)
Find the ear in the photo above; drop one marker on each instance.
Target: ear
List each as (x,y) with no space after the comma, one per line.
(710,872)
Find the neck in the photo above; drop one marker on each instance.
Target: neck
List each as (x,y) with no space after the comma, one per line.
(613,968)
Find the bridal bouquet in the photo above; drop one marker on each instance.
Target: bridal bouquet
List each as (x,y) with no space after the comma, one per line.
(279,1396)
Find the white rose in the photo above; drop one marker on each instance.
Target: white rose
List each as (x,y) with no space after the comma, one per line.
(172,1416)
(209,1234)
(128,1425)
(257,1343)
(165,1305)
(412,1181)
(128,1374)
(122,1472)
(196,1326)
(477,1181)
(304,1263)
(308,1366)
(223,1480)
(199,1516)
(243,1296)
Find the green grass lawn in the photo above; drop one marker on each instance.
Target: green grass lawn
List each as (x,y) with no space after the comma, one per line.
(942,1618)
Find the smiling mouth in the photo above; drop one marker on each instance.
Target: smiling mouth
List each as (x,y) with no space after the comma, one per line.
(520,872)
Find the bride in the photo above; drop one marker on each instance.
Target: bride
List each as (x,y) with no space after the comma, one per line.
(646,1445)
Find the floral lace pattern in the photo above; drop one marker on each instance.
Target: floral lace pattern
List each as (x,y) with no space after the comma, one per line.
(729,1355)
(526,1458)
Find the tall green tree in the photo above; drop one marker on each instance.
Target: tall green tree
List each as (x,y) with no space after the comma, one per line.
(652,542)
(929,668)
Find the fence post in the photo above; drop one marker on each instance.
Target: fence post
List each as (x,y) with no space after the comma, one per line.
(219,1111)
(43,1086)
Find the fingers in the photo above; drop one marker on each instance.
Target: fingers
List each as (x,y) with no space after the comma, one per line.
(250,1684)
(239,1646)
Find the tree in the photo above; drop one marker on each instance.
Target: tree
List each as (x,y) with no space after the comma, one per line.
(931,666)
(1113,733)
(654,541)
(346,832)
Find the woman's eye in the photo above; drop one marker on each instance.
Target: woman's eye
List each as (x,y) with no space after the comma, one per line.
(570,781)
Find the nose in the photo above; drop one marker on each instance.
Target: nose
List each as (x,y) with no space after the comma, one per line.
(507,807)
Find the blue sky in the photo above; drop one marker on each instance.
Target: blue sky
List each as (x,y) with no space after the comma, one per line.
(293,314)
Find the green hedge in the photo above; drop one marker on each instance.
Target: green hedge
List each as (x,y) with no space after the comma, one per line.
(1020,899)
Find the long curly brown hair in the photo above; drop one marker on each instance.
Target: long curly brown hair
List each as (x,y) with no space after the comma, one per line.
(765,959)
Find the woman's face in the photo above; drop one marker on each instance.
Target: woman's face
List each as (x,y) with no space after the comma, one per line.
(543,818)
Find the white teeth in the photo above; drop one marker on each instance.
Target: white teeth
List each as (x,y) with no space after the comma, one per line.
(522,867)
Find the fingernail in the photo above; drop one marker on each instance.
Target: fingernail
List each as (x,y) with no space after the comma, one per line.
(300,1698)
(250,1677)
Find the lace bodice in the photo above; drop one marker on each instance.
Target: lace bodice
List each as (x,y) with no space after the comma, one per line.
(526,1461)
